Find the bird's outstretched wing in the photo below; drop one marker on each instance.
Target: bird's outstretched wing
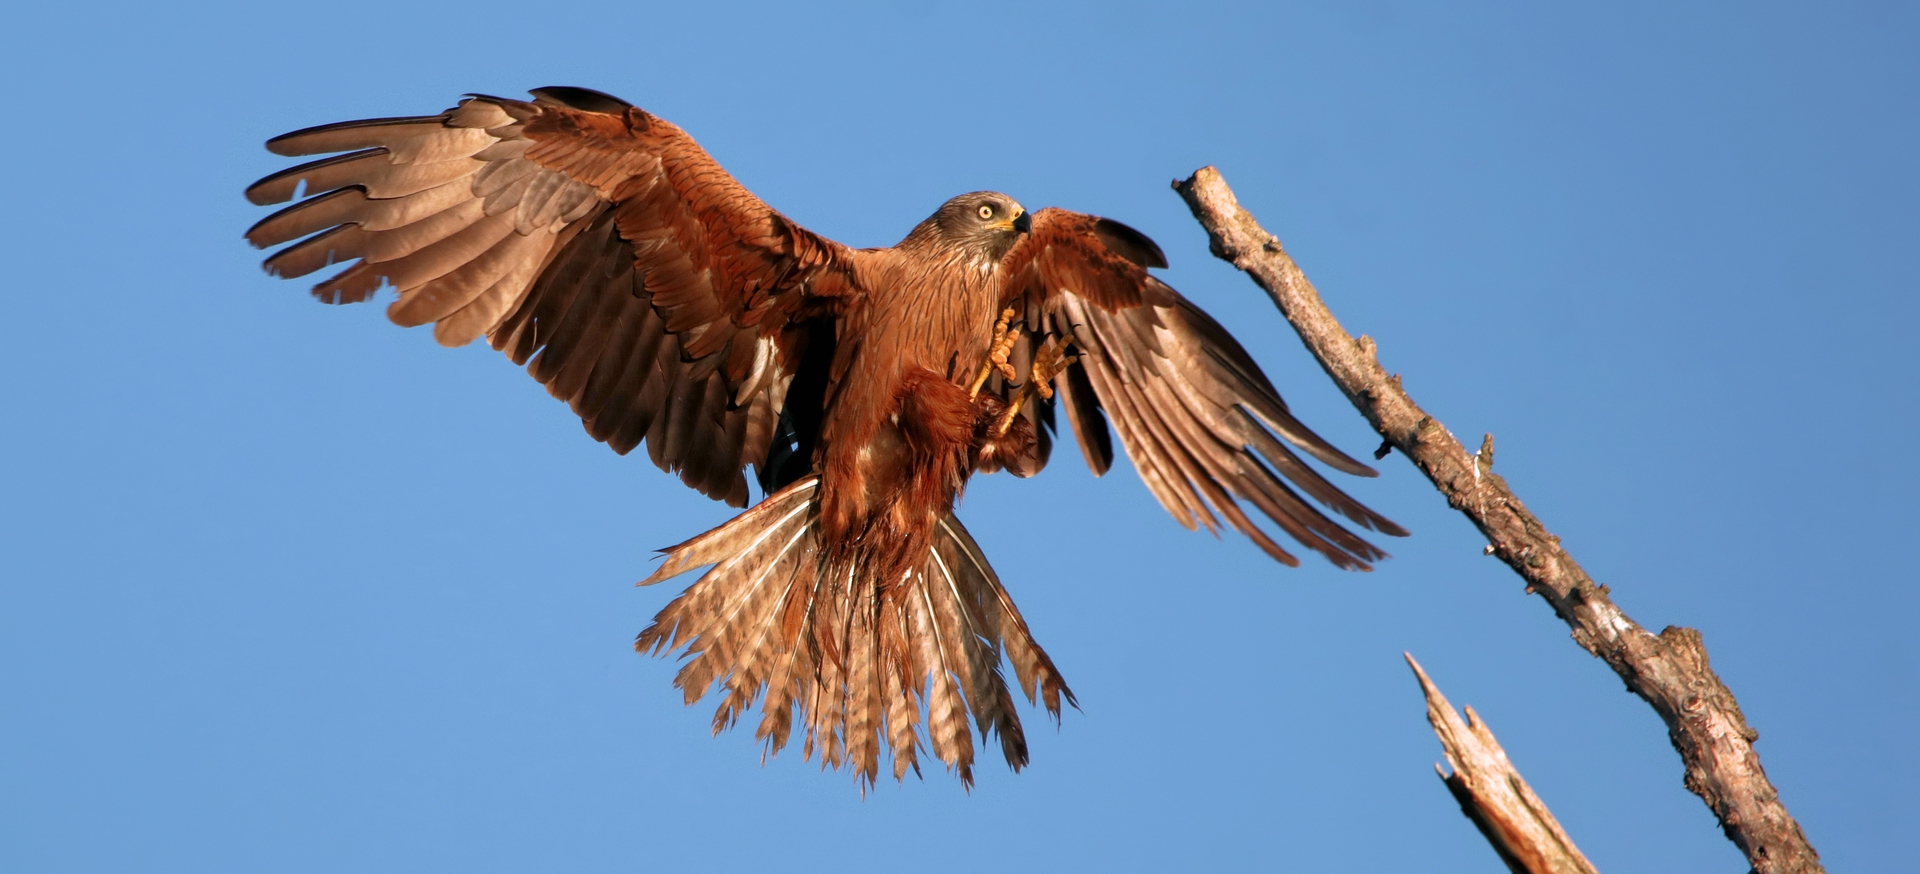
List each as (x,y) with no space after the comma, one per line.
(593,242)
(1203,425)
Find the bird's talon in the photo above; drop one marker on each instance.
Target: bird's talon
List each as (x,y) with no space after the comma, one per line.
(997,351)
(1048,363)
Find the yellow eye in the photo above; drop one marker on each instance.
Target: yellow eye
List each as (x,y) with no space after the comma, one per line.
(986,212)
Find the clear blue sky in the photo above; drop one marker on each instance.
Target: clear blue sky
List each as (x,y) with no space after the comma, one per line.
(287,588)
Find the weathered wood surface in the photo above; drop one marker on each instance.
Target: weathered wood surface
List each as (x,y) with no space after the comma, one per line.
(1492,793)
(1669,670)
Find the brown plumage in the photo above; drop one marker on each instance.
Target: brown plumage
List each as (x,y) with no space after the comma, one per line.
(603,249)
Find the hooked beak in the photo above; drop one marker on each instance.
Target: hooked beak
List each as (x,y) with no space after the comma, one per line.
(1023,223)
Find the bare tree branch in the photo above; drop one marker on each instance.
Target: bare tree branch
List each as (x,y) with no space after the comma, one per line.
(1492,793)
(1669,670)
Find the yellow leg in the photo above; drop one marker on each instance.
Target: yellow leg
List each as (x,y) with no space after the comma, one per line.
(1047,363)
(997,352)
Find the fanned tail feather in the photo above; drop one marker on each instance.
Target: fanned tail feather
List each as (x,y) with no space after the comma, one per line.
(854,658)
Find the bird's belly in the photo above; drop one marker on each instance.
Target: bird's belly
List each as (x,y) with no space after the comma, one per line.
(899,469)
(895,438)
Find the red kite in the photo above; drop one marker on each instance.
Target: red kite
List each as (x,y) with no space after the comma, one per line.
(602,248)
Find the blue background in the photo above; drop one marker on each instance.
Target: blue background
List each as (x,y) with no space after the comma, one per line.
(286,588)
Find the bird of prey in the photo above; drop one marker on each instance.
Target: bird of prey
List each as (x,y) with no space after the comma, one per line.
(602,248)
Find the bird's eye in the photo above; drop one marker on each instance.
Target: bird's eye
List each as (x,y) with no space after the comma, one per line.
(986,211)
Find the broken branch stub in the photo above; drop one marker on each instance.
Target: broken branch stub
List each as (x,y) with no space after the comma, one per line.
(1493,795)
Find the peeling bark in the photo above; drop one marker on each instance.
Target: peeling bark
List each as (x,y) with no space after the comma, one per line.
(1669,670)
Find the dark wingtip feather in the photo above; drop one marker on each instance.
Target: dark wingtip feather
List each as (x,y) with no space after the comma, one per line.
(282,186)
(339,245)
(274,229)
(297,143)
(356,284)
(1129,243)
(584,99)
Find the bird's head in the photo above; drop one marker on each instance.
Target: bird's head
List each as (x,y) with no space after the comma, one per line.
(982,224)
